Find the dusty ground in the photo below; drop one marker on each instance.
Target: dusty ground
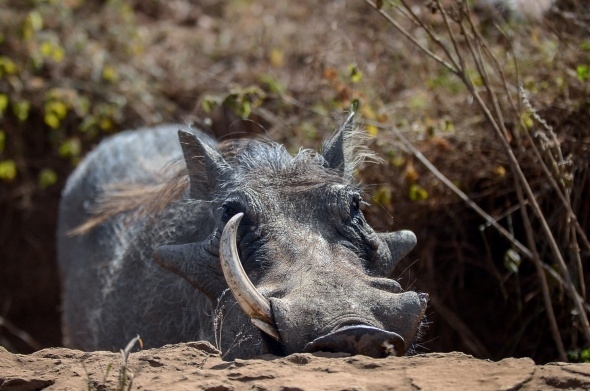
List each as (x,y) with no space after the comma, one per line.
(198,366)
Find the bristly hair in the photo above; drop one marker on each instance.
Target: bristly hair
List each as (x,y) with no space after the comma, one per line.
(122,198)
(146,200)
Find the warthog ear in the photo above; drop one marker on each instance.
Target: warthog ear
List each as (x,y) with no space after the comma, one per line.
(333,148)
(400,243)
(207,169)
(346,149)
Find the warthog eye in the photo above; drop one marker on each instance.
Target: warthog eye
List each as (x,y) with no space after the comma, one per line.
(355,204)
(229,211)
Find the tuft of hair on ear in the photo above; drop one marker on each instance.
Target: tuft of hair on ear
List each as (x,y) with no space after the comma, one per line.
(354,141)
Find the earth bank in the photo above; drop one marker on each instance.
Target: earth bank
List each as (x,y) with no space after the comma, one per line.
(199,366)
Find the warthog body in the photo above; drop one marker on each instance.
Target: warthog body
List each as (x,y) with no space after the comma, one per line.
(145,255)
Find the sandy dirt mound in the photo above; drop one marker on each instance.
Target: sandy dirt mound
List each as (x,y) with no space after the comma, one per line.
(198,366)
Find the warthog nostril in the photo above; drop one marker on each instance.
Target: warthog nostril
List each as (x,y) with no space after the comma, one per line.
(366,340)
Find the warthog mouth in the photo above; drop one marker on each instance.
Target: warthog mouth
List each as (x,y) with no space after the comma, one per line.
(366,340)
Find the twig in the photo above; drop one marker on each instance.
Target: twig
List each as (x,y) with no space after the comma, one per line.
(501,133)
(489,219)
(458,67)
(411,38)
(21,334)
(522,201)
(524,99)
(565,201)
(540,274)
(470,339)
(570,288)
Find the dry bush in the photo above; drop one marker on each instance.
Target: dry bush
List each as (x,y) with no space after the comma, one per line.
(534,203)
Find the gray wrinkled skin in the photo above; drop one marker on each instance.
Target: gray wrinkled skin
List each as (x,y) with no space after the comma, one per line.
(303,242)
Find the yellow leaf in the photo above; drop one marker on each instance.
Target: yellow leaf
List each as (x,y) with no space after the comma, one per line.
(57,54)
(398,160)
(383,195)
(21,109)
(368,112)
(46,49)
(7,66)
(51,120)
(500,171)
(416,102)
(110,74)
(35,20)
(411,173)
(70,148)
(417,193)
(277,57)
(7,170)
(47,177)
(58,108)
(32,24)
(355,74)
(3,103)
(527,120)
(372,130)
(105,124)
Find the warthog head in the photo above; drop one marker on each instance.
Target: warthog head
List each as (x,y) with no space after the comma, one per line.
(291,243)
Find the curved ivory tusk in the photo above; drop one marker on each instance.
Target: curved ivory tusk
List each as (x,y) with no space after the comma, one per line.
(256,306)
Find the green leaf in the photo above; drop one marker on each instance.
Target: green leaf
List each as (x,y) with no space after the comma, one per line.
(383,195)
(209,103)
(70,148)
(7,66)
(355,74)
(52,120)
(105,124)
(273,84)
(32,24)
(2,140)
(110,74)
(417,193)
(512,261)
(527,120)
(3,103)
(82,106)
(35,20)
(583,72)
(7,170)
(88,123)
(21,110)
(308,130)
(55,112)
(47,177)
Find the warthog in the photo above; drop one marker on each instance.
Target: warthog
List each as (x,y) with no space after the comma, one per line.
(273,250)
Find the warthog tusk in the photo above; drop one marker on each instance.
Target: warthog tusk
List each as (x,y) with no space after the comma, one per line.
(256,306)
